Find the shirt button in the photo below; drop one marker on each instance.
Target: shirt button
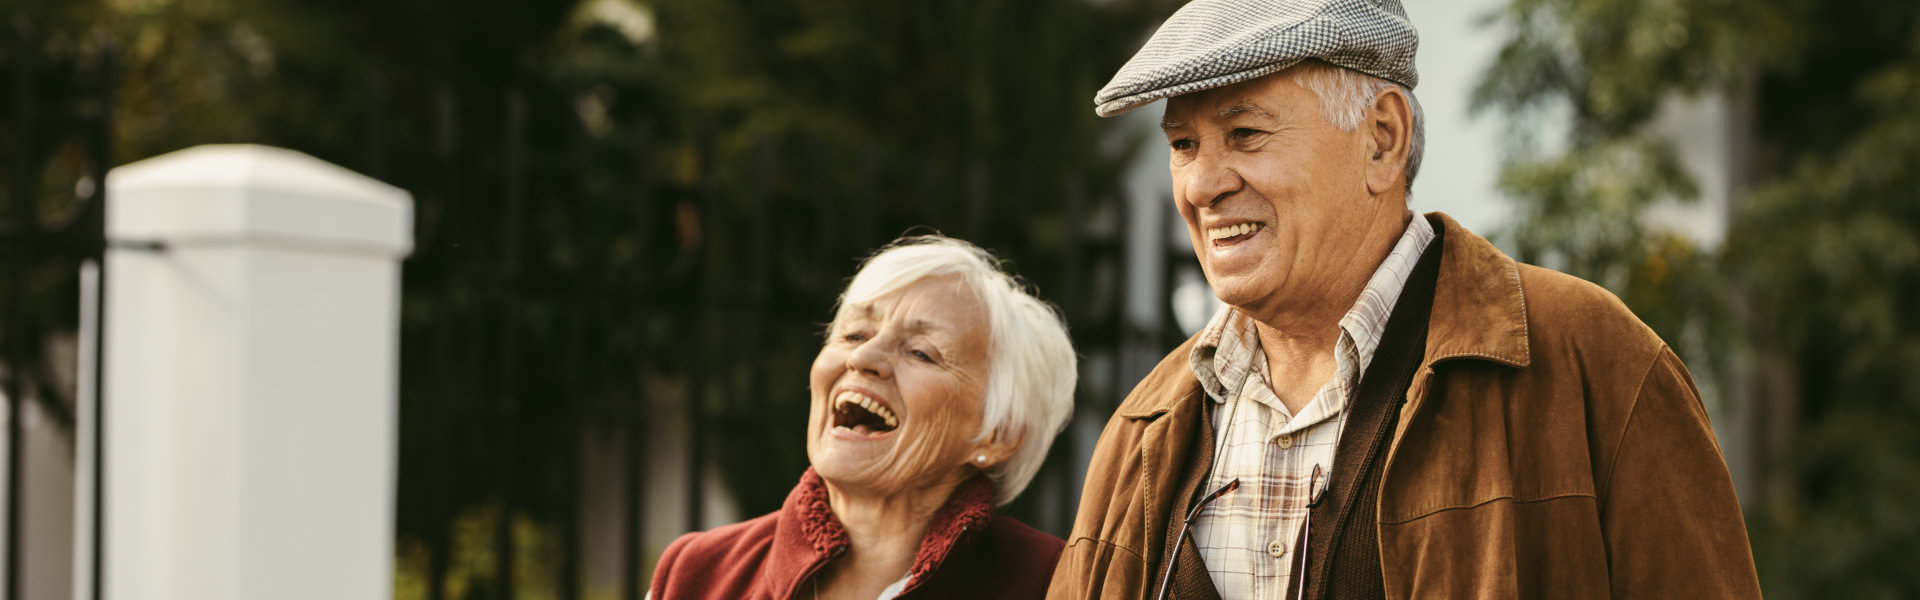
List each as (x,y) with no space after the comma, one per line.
(1276,549)
(1286,441)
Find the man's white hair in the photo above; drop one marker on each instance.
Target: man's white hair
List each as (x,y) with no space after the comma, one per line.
(1345,95)
(1031,368)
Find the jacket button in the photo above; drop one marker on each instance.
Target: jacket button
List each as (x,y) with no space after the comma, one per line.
(1276,549)
(1286,441)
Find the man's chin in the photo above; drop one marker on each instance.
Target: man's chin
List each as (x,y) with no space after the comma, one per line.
(1244,294)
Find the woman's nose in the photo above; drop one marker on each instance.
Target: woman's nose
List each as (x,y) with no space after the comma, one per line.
(869,358)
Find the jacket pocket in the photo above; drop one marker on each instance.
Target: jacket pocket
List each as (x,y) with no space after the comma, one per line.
(1500,548)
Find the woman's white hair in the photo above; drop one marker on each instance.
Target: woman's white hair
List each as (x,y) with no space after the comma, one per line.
(1031,368)
(1345,95)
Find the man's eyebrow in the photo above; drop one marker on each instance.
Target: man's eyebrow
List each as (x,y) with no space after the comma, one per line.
(1167,123)
(1241,109)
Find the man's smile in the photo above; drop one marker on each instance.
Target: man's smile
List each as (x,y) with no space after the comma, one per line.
(1221,237)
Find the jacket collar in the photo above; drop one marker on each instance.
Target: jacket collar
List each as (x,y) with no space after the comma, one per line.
(1479,312)
(807,534)
(1479,306)
(1170,384)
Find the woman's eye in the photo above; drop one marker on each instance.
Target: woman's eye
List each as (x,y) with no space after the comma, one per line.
(854,337)
(922,355)
(1244,133)
(1182,144)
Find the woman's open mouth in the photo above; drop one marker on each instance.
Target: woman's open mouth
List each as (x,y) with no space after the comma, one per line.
(863,415)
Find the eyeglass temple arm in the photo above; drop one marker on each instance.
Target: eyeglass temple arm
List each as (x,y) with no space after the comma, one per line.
(1192,514)
(1315,495)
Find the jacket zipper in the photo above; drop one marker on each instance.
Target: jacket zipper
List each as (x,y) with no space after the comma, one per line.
(815,570)
(915,584)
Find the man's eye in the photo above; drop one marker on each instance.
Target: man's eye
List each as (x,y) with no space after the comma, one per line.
(1181,145)
(854,337)
(921,355)
(1244,133)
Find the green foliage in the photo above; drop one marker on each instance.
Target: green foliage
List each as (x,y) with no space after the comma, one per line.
(1832,251)
(805,132)
(1611,63)
(1816,283)
(472,564)
(1585,205)
(934,111)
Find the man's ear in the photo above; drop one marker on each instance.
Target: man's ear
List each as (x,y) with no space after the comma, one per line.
(1389,129)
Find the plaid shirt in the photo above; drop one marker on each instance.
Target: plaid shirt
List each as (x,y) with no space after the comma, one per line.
(1246,536)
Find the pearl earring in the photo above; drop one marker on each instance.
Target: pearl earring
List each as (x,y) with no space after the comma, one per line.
(982,459)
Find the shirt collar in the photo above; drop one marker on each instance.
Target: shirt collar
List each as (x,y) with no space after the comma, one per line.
(1366,322)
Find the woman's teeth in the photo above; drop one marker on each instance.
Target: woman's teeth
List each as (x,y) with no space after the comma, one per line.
(853,398)
(1221,233)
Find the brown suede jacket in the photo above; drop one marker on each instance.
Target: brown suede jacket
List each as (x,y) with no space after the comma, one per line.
(1551,446)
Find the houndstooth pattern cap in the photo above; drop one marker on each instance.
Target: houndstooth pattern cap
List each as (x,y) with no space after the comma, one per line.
(1214,43)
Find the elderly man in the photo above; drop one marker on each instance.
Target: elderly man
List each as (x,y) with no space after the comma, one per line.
(1387,406)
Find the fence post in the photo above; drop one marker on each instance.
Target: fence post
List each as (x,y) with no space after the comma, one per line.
(254,370)
(13,349)
(637,412)
(507,406)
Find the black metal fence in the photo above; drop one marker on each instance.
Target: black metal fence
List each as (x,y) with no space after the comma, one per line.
(42,248)
(720,308)
(637,307)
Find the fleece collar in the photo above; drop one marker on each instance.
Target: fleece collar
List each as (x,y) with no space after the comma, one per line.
(808,535)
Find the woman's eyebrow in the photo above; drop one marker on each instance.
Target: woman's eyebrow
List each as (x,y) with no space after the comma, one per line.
(922,326)
(861,310)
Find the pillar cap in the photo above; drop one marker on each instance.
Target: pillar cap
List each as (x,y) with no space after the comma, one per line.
(253,194)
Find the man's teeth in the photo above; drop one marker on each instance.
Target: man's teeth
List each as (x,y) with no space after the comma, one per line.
(872,406)
(1220,233)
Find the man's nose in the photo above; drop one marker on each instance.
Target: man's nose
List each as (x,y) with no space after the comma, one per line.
(1210,179)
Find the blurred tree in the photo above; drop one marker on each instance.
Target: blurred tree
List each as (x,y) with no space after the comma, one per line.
(57,77)
(779,141)
(970,117)
(1812,292)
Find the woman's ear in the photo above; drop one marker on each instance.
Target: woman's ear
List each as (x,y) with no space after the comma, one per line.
(992,451)
(1389,130)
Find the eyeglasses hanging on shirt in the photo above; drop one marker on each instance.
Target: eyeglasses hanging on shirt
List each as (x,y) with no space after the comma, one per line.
(1188,526)
(1316,492)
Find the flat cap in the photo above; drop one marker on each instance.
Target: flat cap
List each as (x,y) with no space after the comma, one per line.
(1214,43)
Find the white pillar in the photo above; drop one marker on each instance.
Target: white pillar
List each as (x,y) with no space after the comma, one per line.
(251,377)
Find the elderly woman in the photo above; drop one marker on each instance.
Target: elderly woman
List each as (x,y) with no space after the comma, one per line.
(935,396)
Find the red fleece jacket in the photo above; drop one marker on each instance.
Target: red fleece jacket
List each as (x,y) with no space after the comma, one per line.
(968,552)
